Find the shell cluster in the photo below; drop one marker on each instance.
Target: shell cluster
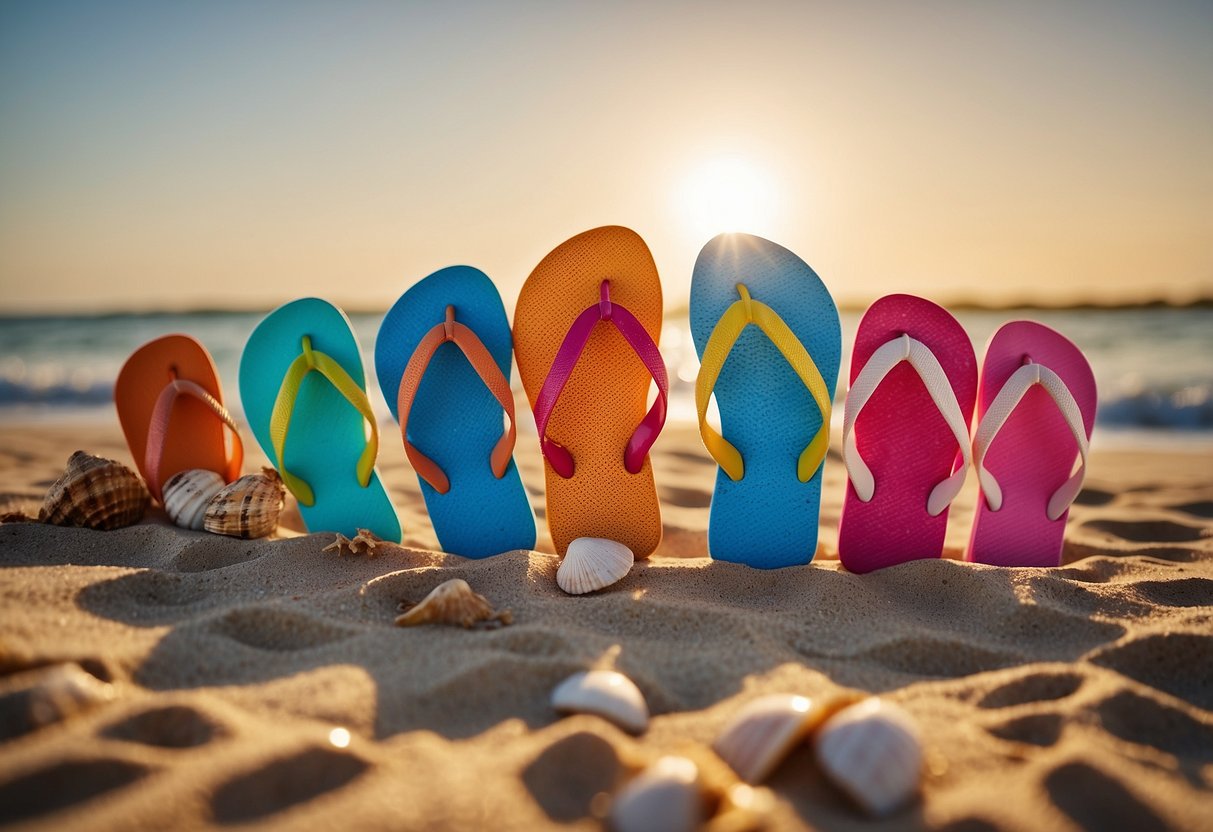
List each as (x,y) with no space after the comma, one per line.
(868,748)
(454,602)
(592,563)
(249,507)
(95,493)
(605,693)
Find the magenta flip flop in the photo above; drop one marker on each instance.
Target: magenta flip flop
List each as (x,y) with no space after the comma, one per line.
(913,382)
(1035,409)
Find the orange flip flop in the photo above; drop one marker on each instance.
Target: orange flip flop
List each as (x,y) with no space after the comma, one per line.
(171,408)
(585,336)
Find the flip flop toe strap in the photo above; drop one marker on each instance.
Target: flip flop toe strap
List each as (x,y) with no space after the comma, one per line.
(1000,410)
(919,356)
(158,427)
(575,339)
(485,366)
(728,329)
(284,406)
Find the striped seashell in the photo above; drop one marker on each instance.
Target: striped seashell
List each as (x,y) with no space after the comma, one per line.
(592,563)
(248,507)
(759,736)
(188,493)
(95,493)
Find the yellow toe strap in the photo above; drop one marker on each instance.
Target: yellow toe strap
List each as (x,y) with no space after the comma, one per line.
(725,334)
(284,406)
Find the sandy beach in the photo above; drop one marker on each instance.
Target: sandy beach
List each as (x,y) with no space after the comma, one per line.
(1070,698)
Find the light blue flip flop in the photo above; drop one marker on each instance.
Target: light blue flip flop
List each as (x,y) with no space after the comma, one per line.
(443,361)
(304,395)
(774,382)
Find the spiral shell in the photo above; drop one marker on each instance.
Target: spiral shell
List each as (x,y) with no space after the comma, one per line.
(454,602)
(95,493)
(592,563)
(188,493)
(247,507)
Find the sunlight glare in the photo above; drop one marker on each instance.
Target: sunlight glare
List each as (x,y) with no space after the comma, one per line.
(725,194)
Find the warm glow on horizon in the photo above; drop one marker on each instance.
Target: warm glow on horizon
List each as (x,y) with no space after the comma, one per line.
(726,194)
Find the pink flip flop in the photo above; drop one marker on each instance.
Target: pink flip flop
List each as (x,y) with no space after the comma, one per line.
(905,432)
(1036,409)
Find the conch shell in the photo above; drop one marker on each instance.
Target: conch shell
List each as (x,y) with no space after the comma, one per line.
(454,602)
(188,493)
(247,507)
(592,563)
(872,752)
(95,493)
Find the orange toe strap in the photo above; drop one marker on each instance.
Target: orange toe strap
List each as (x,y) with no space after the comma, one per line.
(482,362)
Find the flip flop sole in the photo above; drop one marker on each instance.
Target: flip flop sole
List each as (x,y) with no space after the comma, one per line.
(326,434)
(1035,451)
(605,397)
(769,518)
(455,420)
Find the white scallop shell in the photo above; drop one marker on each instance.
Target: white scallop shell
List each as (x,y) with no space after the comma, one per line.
(872,751)
(187,494)
(763,733)
(605,693)
(591,563)
(665,797)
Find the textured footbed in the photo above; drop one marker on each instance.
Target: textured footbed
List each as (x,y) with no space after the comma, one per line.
(769,518)
(195,438)
(606,394)
(455,420)
(903,437)
(1035,451)
(327,434)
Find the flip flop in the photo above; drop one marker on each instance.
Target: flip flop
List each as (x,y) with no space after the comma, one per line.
(313,425)
(774,383)
(1035,409)
(905,430)
(443,358)
(171,409)
(585,336)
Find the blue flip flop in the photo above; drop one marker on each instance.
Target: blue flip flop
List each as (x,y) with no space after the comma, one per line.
(769,343)
(304,395)
(443,361)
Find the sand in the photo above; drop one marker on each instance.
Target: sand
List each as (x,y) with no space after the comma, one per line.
(1077,697)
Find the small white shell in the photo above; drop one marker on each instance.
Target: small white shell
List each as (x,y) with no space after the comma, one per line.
(40,697)
(591,563)
(761,734)
(605,693)
(871,751)
(665,797)
(187,494)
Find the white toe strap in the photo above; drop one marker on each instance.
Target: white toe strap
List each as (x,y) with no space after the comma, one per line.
(919,356)
(1008,398)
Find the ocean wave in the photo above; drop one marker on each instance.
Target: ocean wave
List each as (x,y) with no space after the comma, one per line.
(56,394)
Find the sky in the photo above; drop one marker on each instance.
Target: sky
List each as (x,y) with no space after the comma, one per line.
(173,155)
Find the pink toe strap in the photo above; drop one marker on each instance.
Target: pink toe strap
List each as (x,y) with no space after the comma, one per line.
(157,431)
(567,356)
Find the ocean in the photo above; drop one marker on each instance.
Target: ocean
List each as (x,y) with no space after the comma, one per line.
(1153,366)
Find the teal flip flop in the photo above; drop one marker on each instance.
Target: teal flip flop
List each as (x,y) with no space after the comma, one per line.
(304,395)
(443,361)
(769,342)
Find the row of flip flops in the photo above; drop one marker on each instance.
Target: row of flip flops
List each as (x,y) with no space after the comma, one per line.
(585,335)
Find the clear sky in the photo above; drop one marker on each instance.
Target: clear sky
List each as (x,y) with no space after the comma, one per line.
(170,154)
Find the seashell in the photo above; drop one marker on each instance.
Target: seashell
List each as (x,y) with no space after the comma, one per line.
(758,738)
(665,797)
(247,507)
(188,493)
(40,697)
(872,751)
(454,602)
(605,693)
(591,563)
(95,493)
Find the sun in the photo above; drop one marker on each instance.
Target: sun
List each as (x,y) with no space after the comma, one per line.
(725,194)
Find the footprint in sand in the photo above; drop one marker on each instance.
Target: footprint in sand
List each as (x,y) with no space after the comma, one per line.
(1035,729)
(1202,508)
(1149,722)
(1094,497)
(1181,592)
(686,497)
(567,775)
(284,783)
(1095,800)
(279,630)
(1175,663)
(1034,687)
(65,784)
(173,726)
(1148,531)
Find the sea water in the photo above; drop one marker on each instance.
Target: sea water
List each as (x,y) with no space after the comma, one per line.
(1153,366)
